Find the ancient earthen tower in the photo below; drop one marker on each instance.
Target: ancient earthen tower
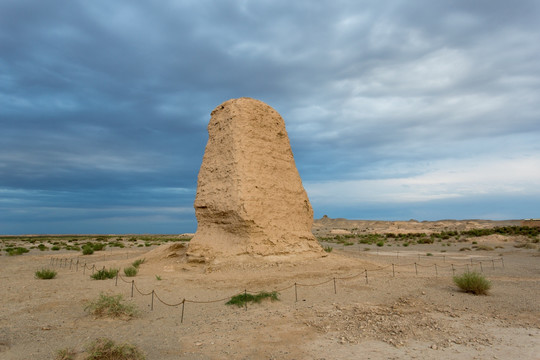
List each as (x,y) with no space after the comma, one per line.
(250,200)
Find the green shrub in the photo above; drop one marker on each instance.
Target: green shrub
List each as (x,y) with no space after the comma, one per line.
(87,250)
(130,271)
(46,274)
(16,251)
(472,282)
(104,274)
(42,247)
(111,306)
(98,246)
(380,243)
(328,248)
(484,248)
(55,248)
(106,349)
(137,263)
(242,299)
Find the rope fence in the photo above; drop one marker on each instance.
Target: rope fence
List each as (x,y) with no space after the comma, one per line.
(65,262)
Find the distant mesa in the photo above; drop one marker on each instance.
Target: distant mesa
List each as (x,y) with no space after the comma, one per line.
(250,201)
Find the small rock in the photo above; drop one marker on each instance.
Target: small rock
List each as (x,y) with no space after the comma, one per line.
(434,347)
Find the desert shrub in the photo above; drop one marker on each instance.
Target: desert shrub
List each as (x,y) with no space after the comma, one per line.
(484,248)
(55,248)
(158,278)
(98,246)
(116,244)
(473,282)
(16,251)
(380,243)
(111,306)
(45,274)
(104,274)
(465,249)
(242,299)
(130,271)
(65,354)
(525,246)
(137,263)
(42,247)
(406,244)
(106,349)
(429,254)
(87,250)
(328,248)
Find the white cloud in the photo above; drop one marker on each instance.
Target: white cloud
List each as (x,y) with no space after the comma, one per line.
(443,180)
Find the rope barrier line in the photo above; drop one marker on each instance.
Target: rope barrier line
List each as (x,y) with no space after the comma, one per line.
(349,277)
(322,283)
(213,301)
(285,288)
(63,263)
(139,291)
(164,303)
(122,278)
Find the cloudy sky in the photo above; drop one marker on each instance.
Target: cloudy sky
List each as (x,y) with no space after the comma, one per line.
(395,110)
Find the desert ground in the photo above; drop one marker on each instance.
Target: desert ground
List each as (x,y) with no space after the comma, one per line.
(406,308)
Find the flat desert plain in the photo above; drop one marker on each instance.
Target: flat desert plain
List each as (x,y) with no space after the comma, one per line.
(362,301)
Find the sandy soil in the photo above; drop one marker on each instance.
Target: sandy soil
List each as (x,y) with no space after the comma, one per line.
(394,315)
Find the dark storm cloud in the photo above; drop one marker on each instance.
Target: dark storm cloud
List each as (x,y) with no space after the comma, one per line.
(103,101)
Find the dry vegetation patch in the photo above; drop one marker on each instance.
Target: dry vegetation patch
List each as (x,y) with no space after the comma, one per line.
(111,306)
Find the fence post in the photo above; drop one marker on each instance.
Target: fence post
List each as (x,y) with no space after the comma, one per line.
(132,285)
(393,271)
(182,318)
(453,270)
(152,305)
(493,263)
(70,264)
(335,290)
(295,293)
(436,272)
(481,268)
(416,269)
(366,276)
(93,268)
(116,281)
(502,260)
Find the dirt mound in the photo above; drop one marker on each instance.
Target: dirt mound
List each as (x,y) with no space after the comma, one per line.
(167,251)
